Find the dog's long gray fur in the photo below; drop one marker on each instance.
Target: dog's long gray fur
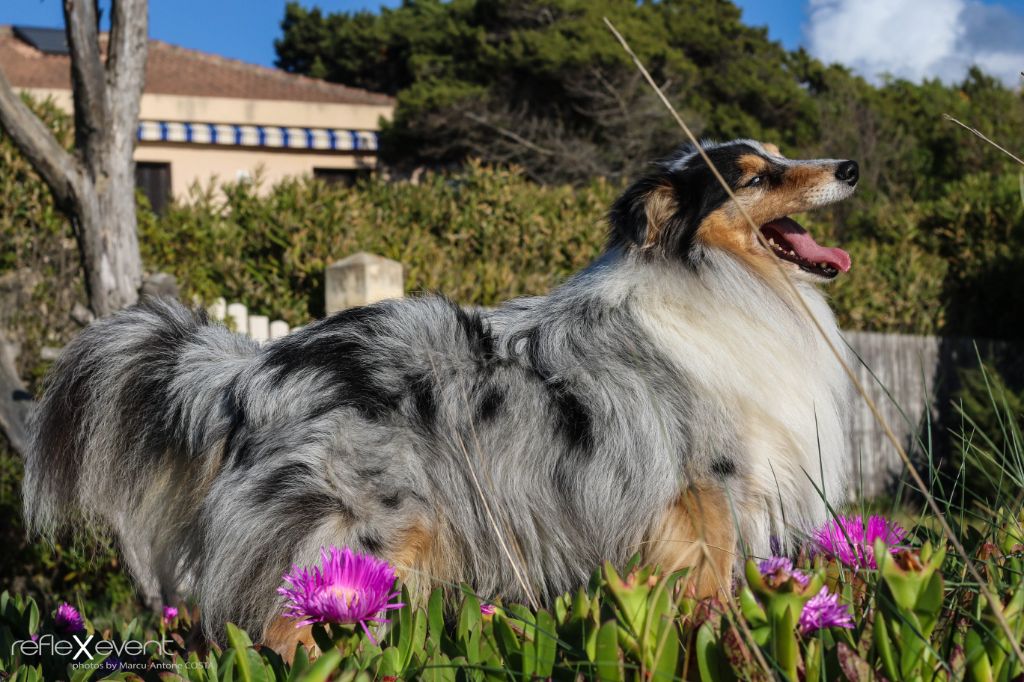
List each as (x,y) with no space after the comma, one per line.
(150,407)
(218,463)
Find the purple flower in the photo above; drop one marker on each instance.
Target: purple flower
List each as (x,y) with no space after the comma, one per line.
(848,540)
(824,611)
(170,613)
(781,568)
(68,620)
(488,609)
(345,588)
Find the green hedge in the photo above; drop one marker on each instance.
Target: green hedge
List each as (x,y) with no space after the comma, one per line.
(479,235)
(482,235)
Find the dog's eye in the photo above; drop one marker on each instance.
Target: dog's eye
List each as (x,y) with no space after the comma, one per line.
(756,180)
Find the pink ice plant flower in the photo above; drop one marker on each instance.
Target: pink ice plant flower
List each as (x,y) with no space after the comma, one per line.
(488,609)
(68,620)
(170,613)
(782,567)
(344,588)
(848,539)
(824,611)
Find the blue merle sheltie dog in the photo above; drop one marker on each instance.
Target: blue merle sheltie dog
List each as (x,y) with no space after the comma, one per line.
(673,400)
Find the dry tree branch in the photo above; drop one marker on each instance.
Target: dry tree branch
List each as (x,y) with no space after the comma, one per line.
(88,78)
(512,135)
(993,602)
(59,169)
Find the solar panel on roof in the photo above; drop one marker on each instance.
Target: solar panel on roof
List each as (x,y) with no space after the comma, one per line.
(46,40)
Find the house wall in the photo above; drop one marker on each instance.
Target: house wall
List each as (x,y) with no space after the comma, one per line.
(192,163)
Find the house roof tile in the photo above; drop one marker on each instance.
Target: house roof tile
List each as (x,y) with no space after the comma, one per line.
(173,70)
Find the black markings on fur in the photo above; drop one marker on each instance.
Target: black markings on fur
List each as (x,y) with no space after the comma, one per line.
(234,441)
(478,334)
(314,504)
(723,467)
(489,405)
(291,476)
(572,420)
(371,542)
(296,492)
(372,472)
(392,500)
(424,401)
(339,351)
(572,417)
(573,423)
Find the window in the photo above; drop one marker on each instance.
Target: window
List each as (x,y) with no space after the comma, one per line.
(154,179)
(341,176)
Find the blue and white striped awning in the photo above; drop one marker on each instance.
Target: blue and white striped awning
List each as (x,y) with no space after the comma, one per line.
(277,137)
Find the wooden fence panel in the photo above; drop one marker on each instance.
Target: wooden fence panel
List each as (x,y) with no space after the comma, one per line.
(913,380)
(899,373)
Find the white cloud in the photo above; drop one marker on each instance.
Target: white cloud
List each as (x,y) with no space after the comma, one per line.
(917,39)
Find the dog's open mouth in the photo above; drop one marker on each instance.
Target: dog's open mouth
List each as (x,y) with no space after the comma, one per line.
(794,244)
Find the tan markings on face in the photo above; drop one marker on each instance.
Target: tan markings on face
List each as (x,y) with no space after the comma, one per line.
(792,194)
(696,532)
(726,229)
(771,148)
(659,205)
(751,165)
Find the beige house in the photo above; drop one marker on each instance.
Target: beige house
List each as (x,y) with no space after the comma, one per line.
(203,115)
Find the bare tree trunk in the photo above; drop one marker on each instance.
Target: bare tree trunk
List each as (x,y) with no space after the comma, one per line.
(15,401)
(95,185)
(106,118)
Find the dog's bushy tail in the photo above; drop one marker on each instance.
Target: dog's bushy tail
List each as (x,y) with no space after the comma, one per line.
(128,432)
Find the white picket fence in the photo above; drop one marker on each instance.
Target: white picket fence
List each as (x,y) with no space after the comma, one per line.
(258,327)
(360,279)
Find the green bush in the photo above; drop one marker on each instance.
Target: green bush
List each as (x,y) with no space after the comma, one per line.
(894,287)
(987,450)
(482,235)
(479,235)
(40,270)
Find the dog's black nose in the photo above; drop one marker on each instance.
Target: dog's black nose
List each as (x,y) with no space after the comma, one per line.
(848,172)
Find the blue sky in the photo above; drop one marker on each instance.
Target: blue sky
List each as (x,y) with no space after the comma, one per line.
(910,38)
(245,29)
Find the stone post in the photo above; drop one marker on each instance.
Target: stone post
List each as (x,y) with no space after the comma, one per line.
(361,279)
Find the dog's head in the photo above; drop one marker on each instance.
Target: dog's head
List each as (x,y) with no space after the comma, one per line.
(681,211)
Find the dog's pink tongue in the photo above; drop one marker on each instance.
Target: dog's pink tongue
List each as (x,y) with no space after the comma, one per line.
(803,243)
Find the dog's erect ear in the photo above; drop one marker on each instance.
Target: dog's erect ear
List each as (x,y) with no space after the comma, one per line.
(661,212)
(772,149)
(640,215)
(660,205)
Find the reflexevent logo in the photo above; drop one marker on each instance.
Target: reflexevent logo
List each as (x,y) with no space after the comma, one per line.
(90,652)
